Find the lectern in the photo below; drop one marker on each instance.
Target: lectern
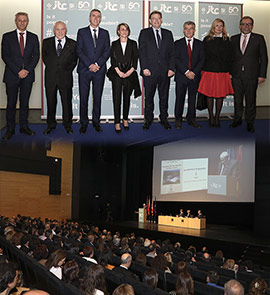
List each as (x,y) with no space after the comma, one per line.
(142,215)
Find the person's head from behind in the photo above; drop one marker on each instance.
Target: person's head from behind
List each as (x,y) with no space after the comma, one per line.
(56,259)
(8,278)
(141,259)
(184,284)
(212,277)
(88,251)
(258,287)
(94,279)
(124,289)
(126,260)
(150,278)
(70,271)
(180,267)
(233,287)
(41,252)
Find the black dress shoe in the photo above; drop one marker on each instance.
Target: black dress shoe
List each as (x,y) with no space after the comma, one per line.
(48,130)
(178,124)
(126,127)
(69,130)
(250,127)
(166,125)
(83,129)
(194,124)
(8,134)
(118,131)
(235,124)
(97,127)
(27,131)
(146,125)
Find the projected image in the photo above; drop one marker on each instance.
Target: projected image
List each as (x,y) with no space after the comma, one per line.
(171,176)
(205,171)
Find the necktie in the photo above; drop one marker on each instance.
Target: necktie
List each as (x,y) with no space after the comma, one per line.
(59,48)
(158,39)
(189,54)
(244,44)
(21,43)
(95,37)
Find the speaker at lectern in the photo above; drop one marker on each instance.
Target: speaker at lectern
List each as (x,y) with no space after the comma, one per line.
(142,217)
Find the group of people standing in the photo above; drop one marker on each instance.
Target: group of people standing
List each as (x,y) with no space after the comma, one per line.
(216,67)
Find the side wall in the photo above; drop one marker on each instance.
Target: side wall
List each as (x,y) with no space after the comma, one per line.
(28,194)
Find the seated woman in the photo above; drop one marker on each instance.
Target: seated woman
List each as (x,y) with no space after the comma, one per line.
(124,289)
(184,285)
(151,278)
(71,273)
(94,281)
(55,262)
(123,75)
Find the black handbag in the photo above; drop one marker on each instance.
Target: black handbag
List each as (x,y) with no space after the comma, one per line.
(201,101)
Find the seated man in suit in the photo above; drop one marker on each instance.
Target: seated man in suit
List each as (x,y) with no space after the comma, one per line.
(60,58)
(189,59)
(20,53)
(123,269)
(156,51)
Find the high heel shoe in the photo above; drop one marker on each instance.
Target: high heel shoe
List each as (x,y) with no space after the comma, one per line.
(217,123)
(117,128)
(125,123)
(211,122)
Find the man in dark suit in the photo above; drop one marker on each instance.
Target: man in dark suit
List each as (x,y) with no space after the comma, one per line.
(189,59)
(227,166)
(123,269)
(60,58)
(93,48)
(249,69)
(157,60)
(20,53)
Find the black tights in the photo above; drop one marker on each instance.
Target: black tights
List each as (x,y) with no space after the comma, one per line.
(210,105)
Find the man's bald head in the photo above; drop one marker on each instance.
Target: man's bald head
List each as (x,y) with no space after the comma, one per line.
(233,287)
(36,292)
(126,260)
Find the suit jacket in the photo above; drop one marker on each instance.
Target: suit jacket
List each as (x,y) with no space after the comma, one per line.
(88,54)
(158,61)
(182,60)
(230,168)
(125,62)
(125,272)
(58,69)
(254,60)
(15,62)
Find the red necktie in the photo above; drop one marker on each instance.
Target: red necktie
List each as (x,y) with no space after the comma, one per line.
(189,54)
(21,43)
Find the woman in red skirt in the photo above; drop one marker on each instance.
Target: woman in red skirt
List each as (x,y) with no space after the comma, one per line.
(215,81)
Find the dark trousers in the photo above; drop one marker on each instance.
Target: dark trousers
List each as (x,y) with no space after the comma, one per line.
(84,90)
(23,87)
(247,88)
(182,86)
(66,100)
(119,86)
(151,83)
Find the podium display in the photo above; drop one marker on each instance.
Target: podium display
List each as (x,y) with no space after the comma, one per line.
(222,185)
(142,215)
(194,223)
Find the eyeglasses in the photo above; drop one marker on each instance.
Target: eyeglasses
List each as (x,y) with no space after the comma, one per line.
(247,24)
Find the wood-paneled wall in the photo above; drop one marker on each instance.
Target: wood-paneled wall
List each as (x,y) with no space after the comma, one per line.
(28,194)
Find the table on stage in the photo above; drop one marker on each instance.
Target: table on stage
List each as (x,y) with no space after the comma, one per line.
(195,223)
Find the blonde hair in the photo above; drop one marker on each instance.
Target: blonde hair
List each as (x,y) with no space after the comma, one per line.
(211,33)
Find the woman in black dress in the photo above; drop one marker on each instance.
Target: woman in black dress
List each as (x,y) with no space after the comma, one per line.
(215,81)
(124,59)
